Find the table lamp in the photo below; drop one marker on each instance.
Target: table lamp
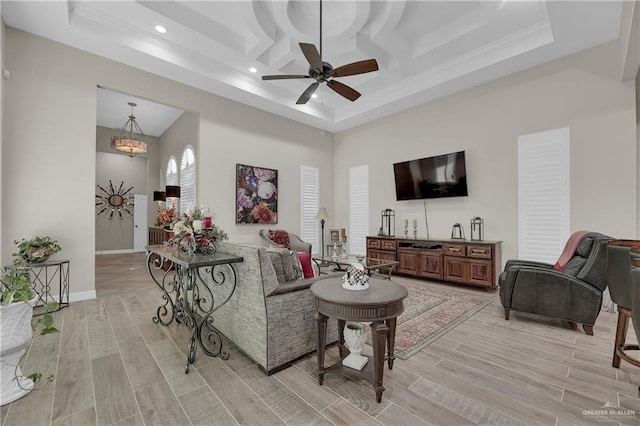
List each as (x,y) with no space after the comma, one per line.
(159,197)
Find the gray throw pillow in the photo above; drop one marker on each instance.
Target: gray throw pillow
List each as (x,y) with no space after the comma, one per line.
(284,260)
(276,261)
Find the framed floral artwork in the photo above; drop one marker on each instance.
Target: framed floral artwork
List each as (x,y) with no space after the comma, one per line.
(256,195)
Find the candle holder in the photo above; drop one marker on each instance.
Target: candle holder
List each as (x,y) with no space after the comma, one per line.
(415,232)
(406,231)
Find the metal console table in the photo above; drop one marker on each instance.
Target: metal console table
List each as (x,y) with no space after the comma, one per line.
(46,277)
(187,297)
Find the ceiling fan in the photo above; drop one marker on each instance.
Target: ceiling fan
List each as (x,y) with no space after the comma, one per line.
(323,72)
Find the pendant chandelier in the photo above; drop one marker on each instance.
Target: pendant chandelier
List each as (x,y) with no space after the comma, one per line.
(131,139)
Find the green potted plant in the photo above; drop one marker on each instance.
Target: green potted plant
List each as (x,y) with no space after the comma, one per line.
(37,249)
(17,300)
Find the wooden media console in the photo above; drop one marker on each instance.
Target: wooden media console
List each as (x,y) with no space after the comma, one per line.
(461,261)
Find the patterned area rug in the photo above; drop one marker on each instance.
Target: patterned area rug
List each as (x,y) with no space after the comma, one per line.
(428,314)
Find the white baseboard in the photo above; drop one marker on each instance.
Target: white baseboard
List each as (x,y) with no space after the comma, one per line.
(122,251)
(82,295)
(73,297)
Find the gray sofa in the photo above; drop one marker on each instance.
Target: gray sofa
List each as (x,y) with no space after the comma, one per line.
(270,320)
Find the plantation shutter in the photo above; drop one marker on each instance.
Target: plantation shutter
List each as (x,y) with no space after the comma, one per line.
(187,180)
(358,209)
(543,195)
(310,196)
(171,177)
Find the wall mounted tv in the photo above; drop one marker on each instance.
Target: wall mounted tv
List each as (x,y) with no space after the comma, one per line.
(431,177)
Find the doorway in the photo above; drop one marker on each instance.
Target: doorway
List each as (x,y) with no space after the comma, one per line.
(138,175)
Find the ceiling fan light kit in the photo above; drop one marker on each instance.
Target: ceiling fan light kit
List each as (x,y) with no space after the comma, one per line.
(323,72)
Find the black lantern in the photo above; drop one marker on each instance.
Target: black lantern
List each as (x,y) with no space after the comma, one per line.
(457,232)
(388,223)
(477,228)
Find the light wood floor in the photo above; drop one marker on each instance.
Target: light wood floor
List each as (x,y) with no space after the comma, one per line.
(114,366)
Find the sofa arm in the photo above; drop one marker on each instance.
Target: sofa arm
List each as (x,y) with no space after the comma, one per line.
(525,273)
(555,294)
(511,263)
(507,278)
(301,284)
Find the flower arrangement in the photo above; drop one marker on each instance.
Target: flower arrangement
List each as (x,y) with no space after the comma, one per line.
(165,216)
(195,232)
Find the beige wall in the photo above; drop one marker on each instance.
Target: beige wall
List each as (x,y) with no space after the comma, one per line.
(582,92)
(50,153)
(151,161)
(116,233)
(183,132)
(2,29)
(637,80)
(235,134)
(50,128)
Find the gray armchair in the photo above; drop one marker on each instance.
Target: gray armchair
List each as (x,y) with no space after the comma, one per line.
(294,242)
(574,295)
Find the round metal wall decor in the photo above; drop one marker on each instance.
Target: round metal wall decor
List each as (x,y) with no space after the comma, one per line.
(111,201)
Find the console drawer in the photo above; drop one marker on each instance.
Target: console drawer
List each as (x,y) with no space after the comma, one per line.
(479,251)
(388,244)
(454,249)
(373,243)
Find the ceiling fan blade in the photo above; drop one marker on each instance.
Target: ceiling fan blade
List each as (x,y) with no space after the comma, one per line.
(304,98)
(343,90)
(313,57)
(354,68)
(283,77)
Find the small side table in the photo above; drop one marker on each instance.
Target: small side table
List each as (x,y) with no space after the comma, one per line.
(380,304)
(46,277)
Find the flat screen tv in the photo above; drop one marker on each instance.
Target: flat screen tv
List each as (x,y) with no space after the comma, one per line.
(431,177)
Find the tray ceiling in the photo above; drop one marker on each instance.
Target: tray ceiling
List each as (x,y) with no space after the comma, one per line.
(425,49)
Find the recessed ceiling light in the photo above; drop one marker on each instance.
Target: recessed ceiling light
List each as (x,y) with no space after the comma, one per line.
(161,29)
(314,96)
(252,69)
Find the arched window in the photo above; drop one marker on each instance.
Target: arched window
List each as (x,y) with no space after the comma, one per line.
(171,177)
(187,180)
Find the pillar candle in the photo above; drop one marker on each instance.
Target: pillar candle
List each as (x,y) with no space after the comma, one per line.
(415,222)
(406,223)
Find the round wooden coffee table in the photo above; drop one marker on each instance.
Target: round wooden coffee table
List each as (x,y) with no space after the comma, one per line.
(380,304)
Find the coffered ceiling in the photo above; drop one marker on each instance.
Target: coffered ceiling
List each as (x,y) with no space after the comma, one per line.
(425,49)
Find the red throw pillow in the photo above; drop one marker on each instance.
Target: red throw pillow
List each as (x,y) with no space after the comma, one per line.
(280,237)
(305,262)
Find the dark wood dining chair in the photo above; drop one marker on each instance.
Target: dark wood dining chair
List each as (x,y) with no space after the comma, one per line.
(619,282)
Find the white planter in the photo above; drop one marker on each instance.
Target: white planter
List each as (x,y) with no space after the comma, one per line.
(354,338)
(15,335)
